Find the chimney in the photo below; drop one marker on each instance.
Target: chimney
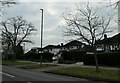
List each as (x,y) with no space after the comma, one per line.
(61,44)
(105,36)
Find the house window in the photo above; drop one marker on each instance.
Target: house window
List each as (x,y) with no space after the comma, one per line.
(51,49)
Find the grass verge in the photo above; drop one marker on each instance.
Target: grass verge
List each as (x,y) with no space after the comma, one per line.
(37,66)
(88,73)
(15,63)
(25,65)
(0,62)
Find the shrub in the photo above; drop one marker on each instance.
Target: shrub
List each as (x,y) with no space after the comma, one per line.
(9,57)
(46,57)
(72,56)
(69,57)
(26,56)
(104,59)
(61,60)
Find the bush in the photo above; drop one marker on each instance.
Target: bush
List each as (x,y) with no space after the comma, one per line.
(72,56)
(9,56)
(46,57)
(89,59)
(26,56)
(61,60)
(104,59)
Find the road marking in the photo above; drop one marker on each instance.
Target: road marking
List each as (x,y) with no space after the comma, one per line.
(7,74)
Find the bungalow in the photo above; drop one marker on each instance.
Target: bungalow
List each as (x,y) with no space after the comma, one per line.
(55,49)
(73,45)
(109,44)
(52,49)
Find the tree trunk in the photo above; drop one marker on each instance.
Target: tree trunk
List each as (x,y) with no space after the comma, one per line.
(96,60)
(14,53)
(18,51)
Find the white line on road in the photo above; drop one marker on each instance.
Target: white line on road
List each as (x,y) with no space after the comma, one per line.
(7,74)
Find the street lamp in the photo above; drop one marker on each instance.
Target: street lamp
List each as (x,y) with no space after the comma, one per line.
(41,37)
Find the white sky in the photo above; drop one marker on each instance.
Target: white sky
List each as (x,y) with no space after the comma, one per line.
(53,12)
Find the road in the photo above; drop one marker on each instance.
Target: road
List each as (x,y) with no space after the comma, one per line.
(15,74)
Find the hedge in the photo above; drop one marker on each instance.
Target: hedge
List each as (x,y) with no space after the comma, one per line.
(104,59)
(46,57)
(71,57)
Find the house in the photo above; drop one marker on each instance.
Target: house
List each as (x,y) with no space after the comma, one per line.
(73,45)
(55,49)
(109,44)
(87,48)
(35,50)
(52,49)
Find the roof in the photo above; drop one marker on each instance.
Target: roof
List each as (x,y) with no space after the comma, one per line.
(52,46)
(74,43)
(116,38)
(111,40)
(87,48)
(71,43)
(35,48)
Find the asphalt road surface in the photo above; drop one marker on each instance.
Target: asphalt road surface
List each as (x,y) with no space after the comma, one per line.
(15,74)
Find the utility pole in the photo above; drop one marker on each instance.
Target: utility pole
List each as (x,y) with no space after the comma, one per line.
(41,37)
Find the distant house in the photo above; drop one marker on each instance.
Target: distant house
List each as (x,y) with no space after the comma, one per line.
(87,48)
(35,50)
(52,49)
(55,49)
(73,45)
(109,44)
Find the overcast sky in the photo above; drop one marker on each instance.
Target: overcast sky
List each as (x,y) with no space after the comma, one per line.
(53,12)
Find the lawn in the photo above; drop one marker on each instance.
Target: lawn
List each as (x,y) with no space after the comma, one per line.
(88,72)
(26,65)
(15,63)
(0,62)
(37,66)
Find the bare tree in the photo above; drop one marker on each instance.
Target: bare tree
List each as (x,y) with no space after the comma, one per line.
(116,5)
(87,24)
(6,3)
(15,31)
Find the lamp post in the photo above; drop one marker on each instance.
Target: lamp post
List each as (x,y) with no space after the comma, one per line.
(41,37)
